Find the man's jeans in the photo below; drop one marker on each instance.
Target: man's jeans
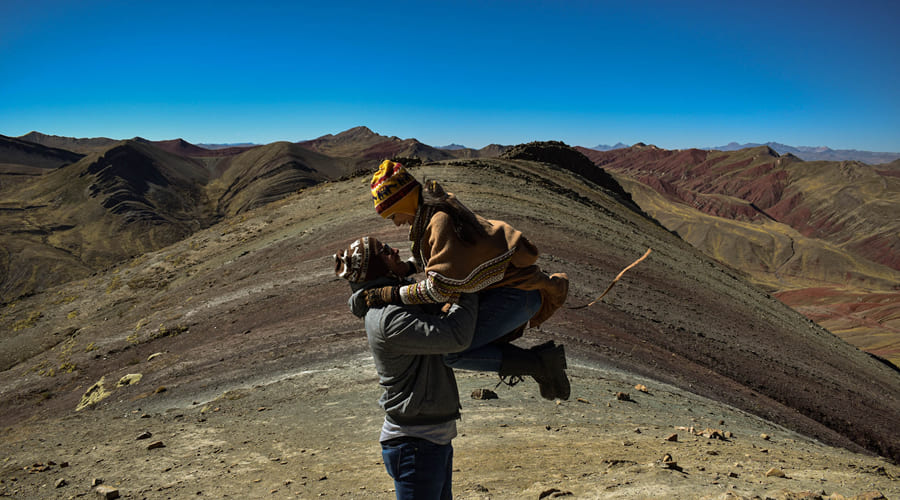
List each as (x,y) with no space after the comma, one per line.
(420,468)
(500,311)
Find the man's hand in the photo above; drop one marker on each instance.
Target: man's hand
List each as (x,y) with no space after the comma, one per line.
(380,297)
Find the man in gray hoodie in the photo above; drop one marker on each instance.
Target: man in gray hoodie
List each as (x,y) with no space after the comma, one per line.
(421,398)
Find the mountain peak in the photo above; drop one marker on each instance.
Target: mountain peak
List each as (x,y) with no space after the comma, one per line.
(357,133)
(606,147)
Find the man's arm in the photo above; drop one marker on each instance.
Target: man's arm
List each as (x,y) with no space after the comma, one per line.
(410,330)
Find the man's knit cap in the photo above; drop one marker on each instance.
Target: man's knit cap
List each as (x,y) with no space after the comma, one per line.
(360,261)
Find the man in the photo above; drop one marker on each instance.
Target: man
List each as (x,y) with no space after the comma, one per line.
(421,398)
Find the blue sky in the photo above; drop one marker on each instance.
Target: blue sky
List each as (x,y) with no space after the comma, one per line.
(674,74)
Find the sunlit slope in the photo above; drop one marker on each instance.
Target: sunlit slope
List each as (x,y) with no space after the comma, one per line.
(125,201)
(268,173)
(773,254)
(849,295)
(134,197)
(868,320)
(850,204)
(847,204)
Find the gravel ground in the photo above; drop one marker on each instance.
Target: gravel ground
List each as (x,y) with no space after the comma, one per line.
(314,433)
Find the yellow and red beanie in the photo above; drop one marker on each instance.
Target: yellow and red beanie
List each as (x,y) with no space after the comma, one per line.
(394,190)
(359,262)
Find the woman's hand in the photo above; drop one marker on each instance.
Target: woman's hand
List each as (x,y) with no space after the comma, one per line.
(380,297)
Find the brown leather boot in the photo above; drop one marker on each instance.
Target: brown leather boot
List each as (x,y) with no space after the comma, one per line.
(546,363)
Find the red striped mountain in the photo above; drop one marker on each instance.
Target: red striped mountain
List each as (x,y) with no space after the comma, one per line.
(822,236)
(850,205)
(367,147)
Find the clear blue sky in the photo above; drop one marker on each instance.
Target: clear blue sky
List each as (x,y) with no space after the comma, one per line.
(672,73)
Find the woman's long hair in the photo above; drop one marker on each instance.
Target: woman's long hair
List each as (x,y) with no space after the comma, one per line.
(465,223)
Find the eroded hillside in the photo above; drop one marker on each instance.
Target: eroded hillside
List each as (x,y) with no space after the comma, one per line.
(253,298)
(65,215)
(822,236)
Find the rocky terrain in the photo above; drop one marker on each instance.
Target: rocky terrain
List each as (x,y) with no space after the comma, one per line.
(311,431)
(234,350)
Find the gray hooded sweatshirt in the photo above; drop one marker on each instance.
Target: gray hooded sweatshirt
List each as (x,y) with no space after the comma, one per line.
(408,343)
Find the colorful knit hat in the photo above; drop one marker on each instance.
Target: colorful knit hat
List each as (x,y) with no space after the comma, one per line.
(359,262)
(394,190)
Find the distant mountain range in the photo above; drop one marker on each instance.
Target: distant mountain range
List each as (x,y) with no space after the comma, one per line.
(228,145)
(70,206)
(807,153)
(604,147)
(820,153)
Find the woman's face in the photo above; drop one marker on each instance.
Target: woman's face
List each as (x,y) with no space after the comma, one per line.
(400,219)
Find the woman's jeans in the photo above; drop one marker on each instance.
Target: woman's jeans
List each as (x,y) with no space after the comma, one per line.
(500,311)
(420,468)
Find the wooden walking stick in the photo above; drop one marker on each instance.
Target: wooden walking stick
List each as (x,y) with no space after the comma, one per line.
(615,280)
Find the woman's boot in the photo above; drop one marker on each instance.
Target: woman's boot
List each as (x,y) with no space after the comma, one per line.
(546,363)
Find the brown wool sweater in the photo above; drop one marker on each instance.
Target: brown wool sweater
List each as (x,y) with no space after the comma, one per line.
(502,258)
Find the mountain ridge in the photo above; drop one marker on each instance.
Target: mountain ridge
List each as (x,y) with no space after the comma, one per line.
(76,203)
(253,296)
(802,195)
(807,153)
(818,153)
(19,154)
(232,183)
(135,196)
(818,235)
(78,145)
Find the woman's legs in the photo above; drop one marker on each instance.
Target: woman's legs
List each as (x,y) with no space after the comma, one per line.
(500,311)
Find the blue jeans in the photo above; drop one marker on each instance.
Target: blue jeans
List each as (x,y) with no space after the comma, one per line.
(500,311)
(420,469)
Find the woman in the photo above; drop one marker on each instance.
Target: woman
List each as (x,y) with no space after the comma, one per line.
(461,252)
